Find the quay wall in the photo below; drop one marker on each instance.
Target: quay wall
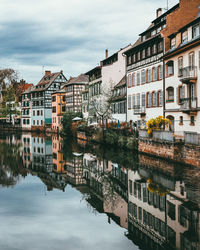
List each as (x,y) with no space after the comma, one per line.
(173,151)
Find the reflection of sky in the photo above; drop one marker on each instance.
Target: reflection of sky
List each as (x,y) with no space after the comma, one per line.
(31,220)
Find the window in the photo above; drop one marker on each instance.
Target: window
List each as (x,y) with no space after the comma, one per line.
(53,109)
(38,112)
(54,85)
(130,186)
(154,96)
(149,75)
(143,100)
(148,51)
(41,112)
(138,56)
(154,73)
(133,79)
(154,49)
(160,46)
(170,94)
(184,36)
(133,97)
(138,99)
(129,60)
(196,30)
(33,122)
(129,102)
(180,65)
(149,100)
(192,120)
(143,76)
(129,81)
(181,120)
(143,54)
(138,78)
(53,98)
(160,72)
(134,58)
(191,59)
(160,98)
(28,121)
(34,113)
(180,94)
(173,43)
(170,68)
(199,59)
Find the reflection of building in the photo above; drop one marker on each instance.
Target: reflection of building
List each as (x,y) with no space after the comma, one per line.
(74,170)
(26,149)
(159,212)
(41,154)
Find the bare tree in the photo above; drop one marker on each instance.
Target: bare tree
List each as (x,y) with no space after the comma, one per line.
(7,77)
(100,105)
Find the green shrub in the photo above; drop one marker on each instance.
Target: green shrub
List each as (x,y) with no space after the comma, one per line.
(122,141)
(132,143)
(111,138)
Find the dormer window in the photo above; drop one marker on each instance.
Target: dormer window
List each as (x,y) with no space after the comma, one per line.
(154,49)
(143,54)
(138,56)
(196,30)
(153,32)
(185,36)
(173,43)
(148,51)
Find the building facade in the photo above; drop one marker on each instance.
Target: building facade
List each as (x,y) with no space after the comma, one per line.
(74,88)
(58,109)
(26,109)
(41,104)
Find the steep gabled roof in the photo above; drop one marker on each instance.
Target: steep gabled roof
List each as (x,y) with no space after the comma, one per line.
(47,80)
(79,79)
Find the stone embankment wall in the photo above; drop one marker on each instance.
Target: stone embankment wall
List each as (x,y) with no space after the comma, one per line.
(174,151)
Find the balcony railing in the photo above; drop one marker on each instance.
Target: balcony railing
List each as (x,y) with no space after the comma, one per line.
(188,74)
(188,104)
(138,110)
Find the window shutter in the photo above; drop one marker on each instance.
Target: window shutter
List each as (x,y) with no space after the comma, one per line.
(178,95)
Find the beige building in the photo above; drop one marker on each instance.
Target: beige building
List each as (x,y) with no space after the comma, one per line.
(182,82)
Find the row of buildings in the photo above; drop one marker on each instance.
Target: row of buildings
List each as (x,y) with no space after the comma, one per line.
(159,75)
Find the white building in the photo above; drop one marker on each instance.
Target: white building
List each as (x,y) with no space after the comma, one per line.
(145,72)
(26,109)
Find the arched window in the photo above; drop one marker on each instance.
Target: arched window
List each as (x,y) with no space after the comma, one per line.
(170,94)
(170,68)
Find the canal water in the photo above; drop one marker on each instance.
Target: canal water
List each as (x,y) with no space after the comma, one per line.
(58,194)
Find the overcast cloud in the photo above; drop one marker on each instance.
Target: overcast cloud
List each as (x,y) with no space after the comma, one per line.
(69,35)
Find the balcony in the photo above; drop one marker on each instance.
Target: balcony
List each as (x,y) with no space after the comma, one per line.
(188,74)
(139,110)
(188,105)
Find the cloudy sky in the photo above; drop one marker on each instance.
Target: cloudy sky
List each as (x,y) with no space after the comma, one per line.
(71,35)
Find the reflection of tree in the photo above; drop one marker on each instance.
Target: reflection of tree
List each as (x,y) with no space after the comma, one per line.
(11,165)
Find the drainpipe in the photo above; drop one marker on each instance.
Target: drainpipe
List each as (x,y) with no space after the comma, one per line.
(163,87)
(126,85)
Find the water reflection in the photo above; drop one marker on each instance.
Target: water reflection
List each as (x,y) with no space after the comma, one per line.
(156,202)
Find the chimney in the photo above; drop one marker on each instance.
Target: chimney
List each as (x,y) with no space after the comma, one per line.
(158,12)
(47,72)
(106,53)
